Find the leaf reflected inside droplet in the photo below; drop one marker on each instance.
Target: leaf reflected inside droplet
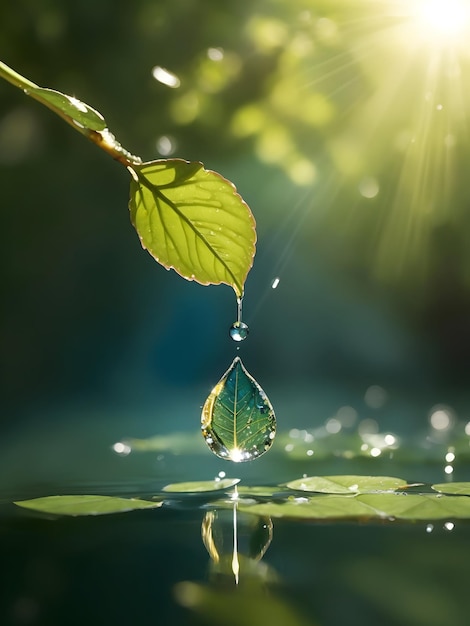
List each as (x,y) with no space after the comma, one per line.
(238,420)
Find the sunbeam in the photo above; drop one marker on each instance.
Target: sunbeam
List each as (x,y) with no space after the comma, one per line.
(404,128)
(446,19)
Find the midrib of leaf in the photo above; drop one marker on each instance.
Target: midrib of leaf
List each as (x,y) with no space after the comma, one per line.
(376,511)
(235,439)
(156,191)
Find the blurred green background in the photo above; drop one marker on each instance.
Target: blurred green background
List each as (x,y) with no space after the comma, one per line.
(344,126)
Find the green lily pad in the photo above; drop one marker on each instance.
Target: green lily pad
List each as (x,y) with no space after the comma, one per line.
(85,505)
(257,491)
(321,507)
(460,489)
(419,507)
(365,506)
(347,484)
(201,486)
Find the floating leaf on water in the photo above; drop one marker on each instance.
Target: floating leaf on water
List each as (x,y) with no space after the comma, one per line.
(85,505)
(317,507)
(254,491)
(238,421)
(83,114)
(420,507)
(365,506)
(347,484)
(193,220)
(201,486)
(457,489)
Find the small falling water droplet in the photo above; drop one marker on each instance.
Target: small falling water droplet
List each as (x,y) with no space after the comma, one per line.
(239,331)
(238,420)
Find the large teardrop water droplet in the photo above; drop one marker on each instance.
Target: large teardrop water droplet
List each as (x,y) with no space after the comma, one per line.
(239,331)
(238,421)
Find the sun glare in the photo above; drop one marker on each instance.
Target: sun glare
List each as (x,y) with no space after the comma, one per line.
(444,18)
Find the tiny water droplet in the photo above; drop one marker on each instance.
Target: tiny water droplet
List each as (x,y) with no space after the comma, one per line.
(238,420)
(239,331)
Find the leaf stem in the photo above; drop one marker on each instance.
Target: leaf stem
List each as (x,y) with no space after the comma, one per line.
(103,139)
(14,78)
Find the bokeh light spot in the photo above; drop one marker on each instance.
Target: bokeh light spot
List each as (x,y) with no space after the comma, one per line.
(274,144)
(302,172)
(166,77)
(123,449)
(186,109)
(215,54)
(441,419)
(333,426)
(368,187)
(267,33)
(247,121)
(166,145)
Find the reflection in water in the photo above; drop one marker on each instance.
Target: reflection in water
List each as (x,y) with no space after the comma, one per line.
(236,542)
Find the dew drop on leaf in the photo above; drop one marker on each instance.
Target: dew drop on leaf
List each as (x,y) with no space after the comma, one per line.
(238,420)
(239,331)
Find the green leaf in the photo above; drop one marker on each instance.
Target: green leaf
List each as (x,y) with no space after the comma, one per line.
(320,507)
(258,491)
(192,220)
(462,489)
(85,505)
(238,421)
(347,484)
(419,507)
(201,486)
(81,113)
(364,506)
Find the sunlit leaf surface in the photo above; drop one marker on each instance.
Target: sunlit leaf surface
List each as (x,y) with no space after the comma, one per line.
(192,220)
(238,421)
(85,505)
(201,486)
(81,113)
(347,484)
(462,489)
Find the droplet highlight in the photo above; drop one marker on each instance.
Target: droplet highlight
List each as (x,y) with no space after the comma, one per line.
(238,421)
(239,331)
